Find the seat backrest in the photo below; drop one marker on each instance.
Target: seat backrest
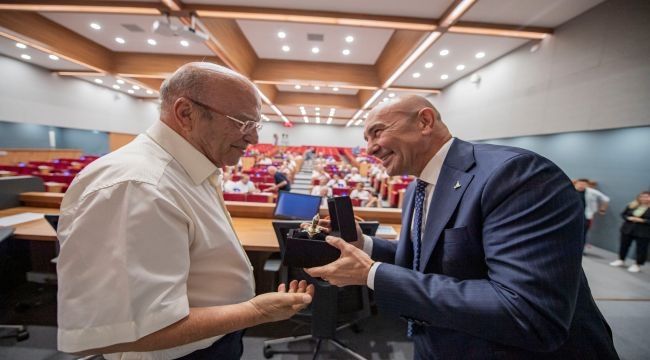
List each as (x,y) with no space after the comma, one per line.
(331,305)
(12,186)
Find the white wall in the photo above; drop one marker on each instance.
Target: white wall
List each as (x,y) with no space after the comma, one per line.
(30,94)
(593,73)
(312,134)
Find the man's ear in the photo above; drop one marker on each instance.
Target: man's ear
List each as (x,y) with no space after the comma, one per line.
(182,110)
(427,119)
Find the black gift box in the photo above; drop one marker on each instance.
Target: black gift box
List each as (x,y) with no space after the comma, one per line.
(303,252)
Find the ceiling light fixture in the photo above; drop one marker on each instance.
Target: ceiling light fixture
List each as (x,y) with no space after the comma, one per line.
(297,87)
(282,34)
(460,67)
(120,81)
(479,55)
(316,87)
(185,43)
(349,39)
(416,75)
(95,26)
(149,92)
(329,120)
(444,76)
(25,56)
(130,91)
(335,89)
(120,40)
(21,46)
(53,57)
(444,52)
(346,52)
(315,50)
(286,48)
(428,65)
(99,81)
(151,42)
(116,87)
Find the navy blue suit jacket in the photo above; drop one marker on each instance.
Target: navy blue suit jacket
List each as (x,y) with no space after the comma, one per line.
(500,269)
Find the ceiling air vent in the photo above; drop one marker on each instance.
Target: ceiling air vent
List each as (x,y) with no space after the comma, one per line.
(133,27)
(315,37)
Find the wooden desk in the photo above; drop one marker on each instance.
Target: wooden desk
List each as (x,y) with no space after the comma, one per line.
(254,234)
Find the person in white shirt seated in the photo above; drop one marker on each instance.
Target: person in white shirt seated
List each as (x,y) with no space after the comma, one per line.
(316,190)
(366,197)
(228,186)
(354,175)
(337,182)
(245,185)
(265,160)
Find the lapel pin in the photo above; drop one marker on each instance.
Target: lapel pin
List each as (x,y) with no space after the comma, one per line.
(457,184)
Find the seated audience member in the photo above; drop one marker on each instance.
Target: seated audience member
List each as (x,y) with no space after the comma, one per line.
(366,197)
(228,186)
(322,184)
(282,183)
(337,182)
(324,193)
(150,266)
(265,160)
(245,185)
(636,227)
(354,175)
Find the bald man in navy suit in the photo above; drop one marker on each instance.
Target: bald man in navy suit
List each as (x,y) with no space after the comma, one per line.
(493,269)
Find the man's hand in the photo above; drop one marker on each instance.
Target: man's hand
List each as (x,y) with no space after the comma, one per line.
(285,303)
(351,268)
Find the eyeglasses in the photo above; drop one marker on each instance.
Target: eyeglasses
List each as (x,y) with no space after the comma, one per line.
(246,126)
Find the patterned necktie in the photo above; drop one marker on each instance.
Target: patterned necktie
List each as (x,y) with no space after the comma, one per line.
(416,232)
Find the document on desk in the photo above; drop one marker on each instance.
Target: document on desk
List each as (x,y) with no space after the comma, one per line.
(386,232)
(19,218)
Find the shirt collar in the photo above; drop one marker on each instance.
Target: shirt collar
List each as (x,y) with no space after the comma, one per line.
(431,172)
(197,166)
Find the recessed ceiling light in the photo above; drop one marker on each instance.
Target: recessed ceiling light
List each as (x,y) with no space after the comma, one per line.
(185,43)
(21,46)
(130,91)
(297,87)
(136,87)
(317,108)
(460,67)
(329,120)
(384,99)
(120,81)
(116,87)
(119,40)
(149,92)
(349,39)
(444,76)
(151,42)
(416,75)
(286,48)
(25,56)
(428,65)
(99,81)
(95,26)
(317,119)
(53,57)
(306,119)
(391,95)
(316,87)
(335,89)
(346,52)
(444,52)
(315,50)
(282,34)
(479,55)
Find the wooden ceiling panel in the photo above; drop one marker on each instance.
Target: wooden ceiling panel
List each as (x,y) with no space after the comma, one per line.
(313,73)
(153,65)
(231,45)
(50,37)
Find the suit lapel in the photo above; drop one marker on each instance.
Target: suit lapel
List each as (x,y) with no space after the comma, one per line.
(451,185)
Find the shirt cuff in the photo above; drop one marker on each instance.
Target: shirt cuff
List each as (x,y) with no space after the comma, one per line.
(370,282)
(367,245)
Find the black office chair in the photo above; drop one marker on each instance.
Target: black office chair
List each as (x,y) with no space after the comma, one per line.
(11,331)
(331,310)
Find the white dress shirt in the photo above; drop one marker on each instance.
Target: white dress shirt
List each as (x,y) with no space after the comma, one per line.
(430,174)
(144,238)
